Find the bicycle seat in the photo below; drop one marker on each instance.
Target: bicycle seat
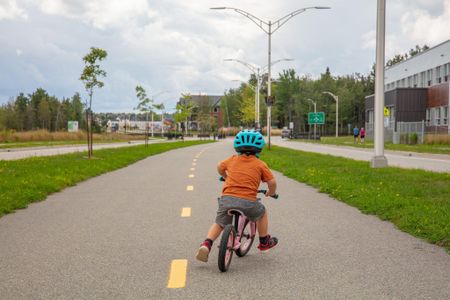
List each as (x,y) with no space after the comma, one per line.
(234,211)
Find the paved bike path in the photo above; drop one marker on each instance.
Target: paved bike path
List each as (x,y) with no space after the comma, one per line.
(114,236)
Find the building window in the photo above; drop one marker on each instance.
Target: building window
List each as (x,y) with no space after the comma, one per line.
(422,79)
(403,82)
(370,116)
(410,79)
(430,77)
(416,80)
(438,115)
(438,74)
(391,113)
(444,115)
(446,71)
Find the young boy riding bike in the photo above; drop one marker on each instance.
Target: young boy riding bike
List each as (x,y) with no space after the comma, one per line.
(243,173)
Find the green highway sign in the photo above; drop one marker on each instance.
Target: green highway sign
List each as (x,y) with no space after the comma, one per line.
(316,118)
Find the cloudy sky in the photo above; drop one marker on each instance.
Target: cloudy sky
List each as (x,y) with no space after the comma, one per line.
(179,46)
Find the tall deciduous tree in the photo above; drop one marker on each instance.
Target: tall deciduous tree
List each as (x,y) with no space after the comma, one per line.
(184,110)
(145,105)
(90,78)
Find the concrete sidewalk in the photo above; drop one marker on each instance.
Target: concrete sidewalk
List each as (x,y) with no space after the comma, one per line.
(20,153)
(408,160)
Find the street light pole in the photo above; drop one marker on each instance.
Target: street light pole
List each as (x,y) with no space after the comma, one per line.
(315,111)
(269,31)
(153,98)
(379,160)
(336,98)
(258,72)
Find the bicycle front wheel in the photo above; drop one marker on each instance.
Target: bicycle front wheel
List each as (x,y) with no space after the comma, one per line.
(226,247)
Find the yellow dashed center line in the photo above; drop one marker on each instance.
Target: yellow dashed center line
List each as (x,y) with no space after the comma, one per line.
(177,277)
(190,188)
(192,169)
(191,175)
(194,164)
(195,159)
(186,212)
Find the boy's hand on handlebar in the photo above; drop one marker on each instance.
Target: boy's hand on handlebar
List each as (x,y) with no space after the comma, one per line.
(269,194)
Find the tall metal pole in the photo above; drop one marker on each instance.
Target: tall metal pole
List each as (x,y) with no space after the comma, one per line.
(258,87)
(336,98)
(315,124)
(278,23)
(269,87)
(379,160)
(152,123)
(337,116)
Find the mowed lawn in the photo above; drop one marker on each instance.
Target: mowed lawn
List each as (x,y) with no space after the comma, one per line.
(32,179)
(417,202)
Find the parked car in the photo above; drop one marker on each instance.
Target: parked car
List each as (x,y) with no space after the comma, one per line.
(285,133)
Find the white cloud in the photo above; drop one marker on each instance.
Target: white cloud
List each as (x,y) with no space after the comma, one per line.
(101,14)
(422,27)
(179,46)
(9,9)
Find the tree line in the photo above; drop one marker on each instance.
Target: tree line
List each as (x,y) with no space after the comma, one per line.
(292,92)
(39,110)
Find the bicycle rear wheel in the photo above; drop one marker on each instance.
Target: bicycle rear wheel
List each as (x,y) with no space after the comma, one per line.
(226,247)
(246,239)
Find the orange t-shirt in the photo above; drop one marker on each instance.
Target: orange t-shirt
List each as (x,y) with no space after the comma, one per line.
(244,174)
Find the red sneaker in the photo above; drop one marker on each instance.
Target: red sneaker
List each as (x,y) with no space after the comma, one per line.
(203,252)
(271,242)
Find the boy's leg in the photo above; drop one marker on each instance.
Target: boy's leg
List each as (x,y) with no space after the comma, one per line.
(265,240)
(213,233)
(263,225)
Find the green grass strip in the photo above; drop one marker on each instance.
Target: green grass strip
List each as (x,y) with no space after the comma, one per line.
(33,179)
(416,201)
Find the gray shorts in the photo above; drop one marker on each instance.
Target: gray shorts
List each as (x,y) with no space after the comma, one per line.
(254,210)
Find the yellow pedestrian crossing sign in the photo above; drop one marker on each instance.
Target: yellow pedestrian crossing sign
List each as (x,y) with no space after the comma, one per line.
(386,111)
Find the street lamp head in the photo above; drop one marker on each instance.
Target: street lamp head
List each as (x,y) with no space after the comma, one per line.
(222,7)
(322,7)
(228,59)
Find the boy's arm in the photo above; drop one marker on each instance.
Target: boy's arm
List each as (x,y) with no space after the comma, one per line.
(272,187)
(222,170)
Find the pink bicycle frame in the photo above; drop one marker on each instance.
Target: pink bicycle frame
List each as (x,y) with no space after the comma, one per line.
(241,223)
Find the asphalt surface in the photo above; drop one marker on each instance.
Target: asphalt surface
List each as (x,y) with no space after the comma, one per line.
(408,160)
(115,236)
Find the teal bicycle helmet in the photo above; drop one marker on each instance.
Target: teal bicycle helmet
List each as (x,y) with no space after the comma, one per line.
(249,141)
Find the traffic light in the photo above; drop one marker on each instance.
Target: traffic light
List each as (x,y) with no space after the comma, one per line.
(270,100)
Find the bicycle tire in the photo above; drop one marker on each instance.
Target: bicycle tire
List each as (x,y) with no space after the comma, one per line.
(246,245)
(225,249)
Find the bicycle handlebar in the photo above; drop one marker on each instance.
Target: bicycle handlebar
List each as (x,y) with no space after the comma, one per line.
(265,191)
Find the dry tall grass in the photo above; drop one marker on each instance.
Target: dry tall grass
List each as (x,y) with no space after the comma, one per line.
(437,139)
(10,136)
(232,131)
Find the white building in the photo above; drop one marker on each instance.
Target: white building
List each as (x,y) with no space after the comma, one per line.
(417,90)
(425,69)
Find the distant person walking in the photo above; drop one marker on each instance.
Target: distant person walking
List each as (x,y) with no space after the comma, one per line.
(362,134)
(355,134)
